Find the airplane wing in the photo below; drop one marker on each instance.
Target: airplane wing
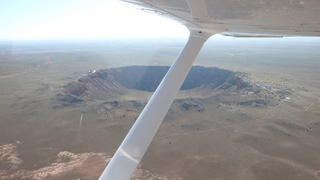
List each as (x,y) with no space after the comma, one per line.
(241,18)
(204,18)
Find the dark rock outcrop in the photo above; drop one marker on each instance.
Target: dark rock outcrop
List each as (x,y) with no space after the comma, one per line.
(255,102)
(191,106)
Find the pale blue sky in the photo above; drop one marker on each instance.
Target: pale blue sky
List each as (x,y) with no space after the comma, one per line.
(41,19)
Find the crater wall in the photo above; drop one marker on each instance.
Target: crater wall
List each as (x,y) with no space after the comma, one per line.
(107,83)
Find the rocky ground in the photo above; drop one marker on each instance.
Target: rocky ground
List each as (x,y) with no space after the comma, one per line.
(222,125)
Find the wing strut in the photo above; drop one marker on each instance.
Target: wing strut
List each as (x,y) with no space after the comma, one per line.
(129,154)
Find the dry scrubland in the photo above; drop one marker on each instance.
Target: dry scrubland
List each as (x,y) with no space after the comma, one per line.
(253,132)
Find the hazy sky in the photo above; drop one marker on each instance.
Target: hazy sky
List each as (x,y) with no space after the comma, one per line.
(41,19)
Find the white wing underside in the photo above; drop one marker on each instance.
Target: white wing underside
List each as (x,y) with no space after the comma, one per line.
(241,18)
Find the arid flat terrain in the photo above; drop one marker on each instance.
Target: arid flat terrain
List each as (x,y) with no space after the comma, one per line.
(249,110)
